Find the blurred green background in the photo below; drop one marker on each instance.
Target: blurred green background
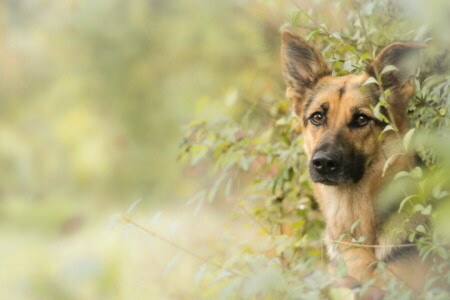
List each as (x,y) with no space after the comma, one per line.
(93,97)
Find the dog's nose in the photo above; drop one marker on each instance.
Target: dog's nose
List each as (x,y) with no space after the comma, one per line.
(324,162)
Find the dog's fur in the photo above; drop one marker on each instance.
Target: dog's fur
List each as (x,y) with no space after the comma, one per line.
(347,158)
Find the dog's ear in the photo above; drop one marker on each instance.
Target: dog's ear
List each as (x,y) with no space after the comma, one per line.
(403,56)
(396,65)
(302,66)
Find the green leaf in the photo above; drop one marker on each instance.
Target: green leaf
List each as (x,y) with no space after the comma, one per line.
(232,97)
(352,228)
(404,201)
(387,128)
(388,68)
(173,228)
(389,162)
(172,263)
(228,187)
(400,175)
(348,66)
(337,36)
(370,80)
(420,228)
(361,239)
(212,193)
(222,275)
(200,274)
(416,173)
(379,115)
(198,152)
(132,206)
(418,207)
(427,210)
(341,294)
(155,219)
(407,139)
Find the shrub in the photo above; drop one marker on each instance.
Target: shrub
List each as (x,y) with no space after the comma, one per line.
(256,158)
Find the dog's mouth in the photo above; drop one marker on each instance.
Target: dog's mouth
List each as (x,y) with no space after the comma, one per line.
(338,177)
(332,180)
(328,182)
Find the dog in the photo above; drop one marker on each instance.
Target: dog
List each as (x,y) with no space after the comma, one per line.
(347,158)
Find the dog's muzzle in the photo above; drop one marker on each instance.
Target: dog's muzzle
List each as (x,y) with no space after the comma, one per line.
(334,167)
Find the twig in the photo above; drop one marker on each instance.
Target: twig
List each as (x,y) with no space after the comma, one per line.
(368,43)
(128,220)
(369,246)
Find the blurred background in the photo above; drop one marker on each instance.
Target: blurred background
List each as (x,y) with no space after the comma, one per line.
(93,99)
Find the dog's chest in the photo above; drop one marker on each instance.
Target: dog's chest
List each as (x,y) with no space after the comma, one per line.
(349,214)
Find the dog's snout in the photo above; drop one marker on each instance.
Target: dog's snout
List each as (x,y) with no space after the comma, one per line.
(325,162)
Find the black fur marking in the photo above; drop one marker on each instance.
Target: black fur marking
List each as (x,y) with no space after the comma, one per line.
(325,106)
(379,123)
(305,121)
(317,89)
(310,101)
(385,113)
(341,92)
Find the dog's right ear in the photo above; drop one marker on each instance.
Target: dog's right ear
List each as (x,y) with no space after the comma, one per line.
(302,66)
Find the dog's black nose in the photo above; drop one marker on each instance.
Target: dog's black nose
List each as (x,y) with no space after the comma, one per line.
(324,162)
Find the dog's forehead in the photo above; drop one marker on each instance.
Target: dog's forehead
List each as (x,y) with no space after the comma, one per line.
(337,91)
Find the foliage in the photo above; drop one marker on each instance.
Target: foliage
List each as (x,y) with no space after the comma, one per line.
(257,157)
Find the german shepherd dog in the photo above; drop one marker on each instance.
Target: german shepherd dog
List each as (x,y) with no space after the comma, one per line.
(347,159)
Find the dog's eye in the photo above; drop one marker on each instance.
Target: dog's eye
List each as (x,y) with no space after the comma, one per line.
(317,118)
(360,120)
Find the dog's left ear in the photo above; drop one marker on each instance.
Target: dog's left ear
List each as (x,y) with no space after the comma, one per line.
(403,56)
(397,65)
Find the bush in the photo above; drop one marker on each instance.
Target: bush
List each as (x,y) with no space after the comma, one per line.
(256,158)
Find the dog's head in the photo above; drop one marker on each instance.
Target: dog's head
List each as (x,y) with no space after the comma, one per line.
(339,127)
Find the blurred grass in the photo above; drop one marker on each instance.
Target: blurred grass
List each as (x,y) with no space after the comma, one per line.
(93,98)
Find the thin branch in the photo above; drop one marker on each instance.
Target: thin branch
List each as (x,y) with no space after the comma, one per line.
(363,26)
(369,246)
(128,220)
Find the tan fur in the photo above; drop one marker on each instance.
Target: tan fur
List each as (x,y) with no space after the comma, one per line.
(343,205)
